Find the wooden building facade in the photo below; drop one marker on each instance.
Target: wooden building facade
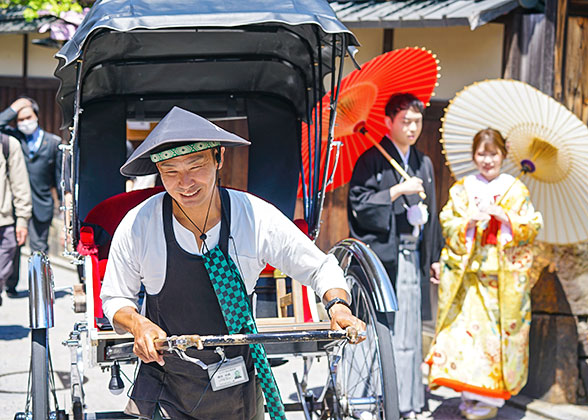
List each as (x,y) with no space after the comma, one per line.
(547,47)
(570,84)
(27,65)
(43,90)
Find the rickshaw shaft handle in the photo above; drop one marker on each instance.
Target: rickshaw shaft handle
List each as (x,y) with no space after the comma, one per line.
(125,350)
(260,338)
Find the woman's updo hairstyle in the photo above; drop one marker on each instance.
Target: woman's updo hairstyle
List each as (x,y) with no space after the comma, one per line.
(489,136)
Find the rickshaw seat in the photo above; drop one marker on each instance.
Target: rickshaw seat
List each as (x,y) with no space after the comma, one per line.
(108,214)
(106,217)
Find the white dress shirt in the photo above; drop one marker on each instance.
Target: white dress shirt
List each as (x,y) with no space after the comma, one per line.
(260,234)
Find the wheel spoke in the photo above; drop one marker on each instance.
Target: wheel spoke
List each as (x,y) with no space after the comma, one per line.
(360,374)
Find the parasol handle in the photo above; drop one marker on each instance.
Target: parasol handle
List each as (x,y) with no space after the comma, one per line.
(360,128)
(508,189)
(528,167)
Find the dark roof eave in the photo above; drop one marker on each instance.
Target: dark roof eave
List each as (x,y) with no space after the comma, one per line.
(23,26)
(421,23)
(12,21)
(350,13)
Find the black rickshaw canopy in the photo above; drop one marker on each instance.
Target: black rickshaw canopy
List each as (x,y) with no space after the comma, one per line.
(128,37)
(263,60)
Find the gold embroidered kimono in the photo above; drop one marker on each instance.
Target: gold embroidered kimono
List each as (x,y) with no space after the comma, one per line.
(484,314)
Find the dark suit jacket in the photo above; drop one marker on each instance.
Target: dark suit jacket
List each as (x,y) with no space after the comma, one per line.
(378,222)
(44,167)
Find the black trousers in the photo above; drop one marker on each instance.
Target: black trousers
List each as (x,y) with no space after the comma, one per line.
(38,237)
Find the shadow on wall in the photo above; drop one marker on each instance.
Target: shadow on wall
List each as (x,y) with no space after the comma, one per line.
(553,343)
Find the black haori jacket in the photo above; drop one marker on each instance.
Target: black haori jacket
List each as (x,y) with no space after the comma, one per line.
(378,222)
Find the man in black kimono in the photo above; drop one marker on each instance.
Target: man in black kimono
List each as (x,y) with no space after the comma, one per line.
(380,201)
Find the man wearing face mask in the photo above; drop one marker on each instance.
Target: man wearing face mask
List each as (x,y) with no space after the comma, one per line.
(43,162)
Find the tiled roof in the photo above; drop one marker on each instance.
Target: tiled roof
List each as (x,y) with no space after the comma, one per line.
(420,13)
(12,21)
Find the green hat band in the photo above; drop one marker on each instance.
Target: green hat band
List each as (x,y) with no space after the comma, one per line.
(183,150)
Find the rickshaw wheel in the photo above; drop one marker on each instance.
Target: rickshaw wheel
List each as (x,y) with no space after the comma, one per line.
(366,375)
(40,373)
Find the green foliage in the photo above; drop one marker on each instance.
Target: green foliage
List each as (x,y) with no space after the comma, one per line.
(54,7)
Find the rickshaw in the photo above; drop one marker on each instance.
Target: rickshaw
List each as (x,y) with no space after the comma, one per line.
(258,67)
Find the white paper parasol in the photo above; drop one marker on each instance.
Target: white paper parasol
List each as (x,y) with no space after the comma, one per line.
(537,128)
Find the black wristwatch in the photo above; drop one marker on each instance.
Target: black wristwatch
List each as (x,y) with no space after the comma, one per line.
(334,301)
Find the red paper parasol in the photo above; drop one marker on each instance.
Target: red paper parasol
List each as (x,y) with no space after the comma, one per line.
(362,99)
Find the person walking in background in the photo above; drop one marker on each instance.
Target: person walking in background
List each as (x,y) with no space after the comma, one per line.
(386,212)
(43,162)
(484,314)
(15,205)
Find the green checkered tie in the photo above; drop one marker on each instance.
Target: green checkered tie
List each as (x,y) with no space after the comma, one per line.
(236,310)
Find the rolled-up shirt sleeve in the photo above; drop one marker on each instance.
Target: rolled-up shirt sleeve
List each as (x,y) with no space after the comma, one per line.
(122,279)
(284,246)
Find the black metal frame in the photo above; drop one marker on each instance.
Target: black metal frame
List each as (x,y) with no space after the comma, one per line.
(314,178)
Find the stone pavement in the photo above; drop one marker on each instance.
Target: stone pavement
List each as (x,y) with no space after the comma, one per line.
(15,351)
(444,405)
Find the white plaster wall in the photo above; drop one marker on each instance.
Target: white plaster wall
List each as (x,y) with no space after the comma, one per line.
(11,53)
(40,61)
(465,56)
(371,45)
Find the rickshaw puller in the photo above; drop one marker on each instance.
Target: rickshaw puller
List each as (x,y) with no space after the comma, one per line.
(198,250)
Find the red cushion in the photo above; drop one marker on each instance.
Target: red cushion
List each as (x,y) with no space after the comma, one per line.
(87,246)
(302,225)
(268,270)
(107,214)
(102,268)
(111,211)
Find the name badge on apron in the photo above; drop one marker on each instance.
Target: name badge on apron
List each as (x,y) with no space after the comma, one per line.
(229,373)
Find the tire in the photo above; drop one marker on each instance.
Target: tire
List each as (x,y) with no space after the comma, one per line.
(40,373)
(366,376)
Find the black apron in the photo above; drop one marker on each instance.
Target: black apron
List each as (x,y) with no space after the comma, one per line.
(187,304)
